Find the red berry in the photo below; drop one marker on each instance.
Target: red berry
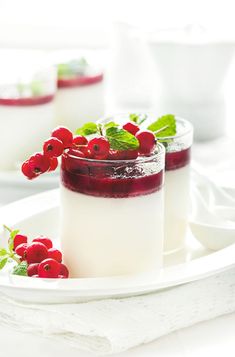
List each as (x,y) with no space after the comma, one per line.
(39,163)
(76,152)
(86,151)
(49,268)
(131,154)
(19,239)
(27,171)
(36,253)
(131,127)
(64,271)
(147,141)
(55,254)
(79,140)
(53,164)
(99,148)
(32,269)
(21,250)
(53,147)
(64,135)
(44,240)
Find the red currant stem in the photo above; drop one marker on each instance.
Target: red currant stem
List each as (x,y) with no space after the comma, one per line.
(100,129)
(12,256)
(142,120)
(159,130)
(7,228)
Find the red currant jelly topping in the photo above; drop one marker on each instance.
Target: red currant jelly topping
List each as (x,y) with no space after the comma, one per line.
(79,81)
(178,159)
(23,102)
(108,179)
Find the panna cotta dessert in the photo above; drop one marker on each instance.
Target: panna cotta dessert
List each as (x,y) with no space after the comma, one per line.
(177,136)
(112,202)
(26,108)
(80,94)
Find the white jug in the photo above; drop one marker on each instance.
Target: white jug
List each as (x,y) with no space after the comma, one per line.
(190,72)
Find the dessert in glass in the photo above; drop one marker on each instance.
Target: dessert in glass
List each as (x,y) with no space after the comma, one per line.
(27,88)
(80,95)
(177,185)
(112,203)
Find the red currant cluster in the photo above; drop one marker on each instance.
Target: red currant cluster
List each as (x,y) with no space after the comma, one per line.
(96,148)
(43,260)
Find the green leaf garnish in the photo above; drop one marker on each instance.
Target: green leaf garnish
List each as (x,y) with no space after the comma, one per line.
(110,124)
(3,252)
(138,118)
(167,123)
(3,261)
(121,139)
(20,269)
(87,129)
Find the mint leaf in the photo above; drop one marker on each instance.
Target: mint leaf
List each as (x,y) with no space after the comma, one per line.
(3,261)
(11,239)
(166,121)
(121,139)
(110,124)
(20,269)
(3,252)
(138,118)
(87,129)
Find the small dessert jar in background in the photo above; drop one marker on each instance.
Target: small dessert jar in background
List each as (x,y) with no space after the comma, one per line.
(177,185)
(112,214)
(27,89)
(80,95)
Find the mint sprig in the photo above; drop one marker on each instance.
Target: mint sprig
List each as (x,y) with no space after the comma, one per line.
(138,118)
(121,139)
(164,126)
(87,129)
(8,254)
(21,269)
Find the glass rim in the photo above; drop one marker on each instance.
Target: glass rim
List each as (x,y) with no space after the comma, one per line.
(140,159)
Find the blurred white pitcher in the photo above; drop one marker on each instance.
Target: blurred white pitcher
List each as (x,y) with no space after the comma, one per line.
(191,68)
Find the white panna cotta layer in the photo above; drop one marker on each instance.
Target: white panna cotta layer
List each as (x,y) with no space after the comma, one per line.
(111,236)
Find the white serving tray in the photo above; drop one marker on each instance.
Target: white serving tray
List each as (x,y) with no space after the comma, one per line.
(39,214)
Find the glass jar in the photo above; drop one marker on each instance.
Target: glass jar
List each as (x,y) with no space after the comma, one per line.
(80,95)
(112,215)
(177,185)
(27,88)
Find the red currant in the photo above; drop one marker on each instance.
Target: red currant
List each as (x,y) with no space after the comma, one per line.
(64,271)
(79,140)
(53,147)
(32,269)
(27,171)
(99,148)
(147,141)
(76,152)
(55,254)
(131,154)
(19,239)
(131,127)
(36,253)
(49,268)
(44,240)
(39,163)
(21,250)
(53,164)
(64,135)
